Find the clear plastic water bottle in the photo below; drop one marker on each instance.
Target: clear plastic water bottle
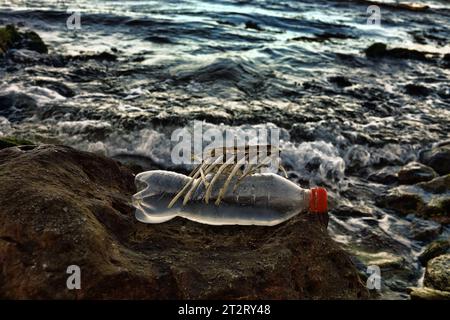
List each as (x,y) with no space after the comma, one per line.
(264,199)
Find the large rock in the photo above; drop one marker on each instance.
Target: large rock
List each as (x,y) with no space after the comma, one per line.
(11,38)
(437,274)
(62,207)
(386,175)
(415,172)
(427,199)
(438,157)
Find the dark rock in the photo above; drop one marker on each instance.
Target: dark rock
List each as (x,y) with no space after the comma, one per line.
(32,41)
(325,36)
(102,56)
(376,50)
(340,81)
(252,25)
(438,158)
(446,58)
(437,274)
(379,50)
(78,212)
(11,38)
(402,53)
(434,249)
(386,175)
(415,172)
(416,90)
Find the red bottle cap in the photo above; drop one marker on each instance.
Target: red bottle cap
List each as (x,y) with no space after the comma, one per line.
(318,202)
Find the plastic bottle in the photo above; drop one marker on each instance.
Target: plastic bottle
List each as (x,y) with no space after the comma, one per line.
(264,199)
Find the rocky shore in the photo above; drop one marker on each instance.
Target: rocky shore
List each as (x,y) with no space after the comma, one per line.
(363,111)
(61,207)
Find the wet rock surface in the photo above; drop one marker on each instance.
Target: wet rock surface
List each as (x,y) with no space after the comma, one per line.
(437,274)
(438,157)
(429,199)
(78,212)
(415,172)
(425,230)
(434,249)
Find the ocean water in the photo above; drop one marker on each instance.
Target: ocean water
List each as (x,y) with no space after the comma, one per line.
(297,66)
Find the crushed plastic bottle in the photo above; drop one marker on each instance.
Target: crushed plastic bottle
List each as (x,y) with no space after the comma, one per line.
(264,199)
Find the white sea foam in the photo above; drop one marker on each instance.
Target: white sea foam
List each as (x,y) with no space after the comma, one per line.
(5,126)
(82,126)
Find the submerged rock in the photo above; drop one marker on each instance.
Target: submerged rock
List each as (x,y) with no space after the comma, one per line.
(415,172)
(437,274)
(77,212)
(29,57)
(340,81)
(416,90)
